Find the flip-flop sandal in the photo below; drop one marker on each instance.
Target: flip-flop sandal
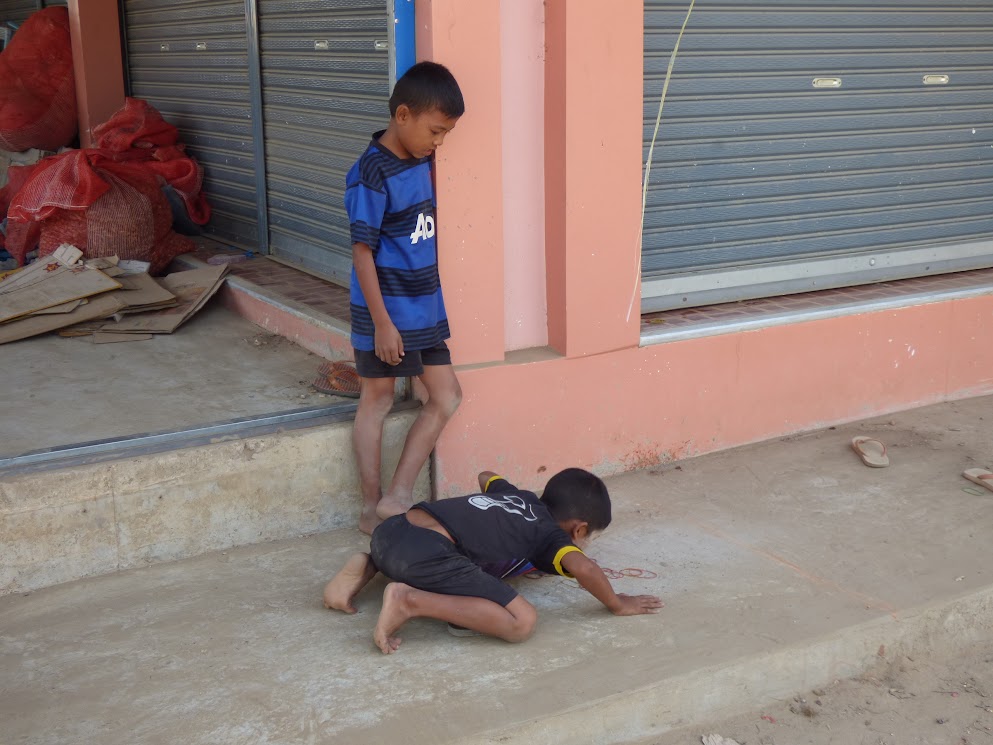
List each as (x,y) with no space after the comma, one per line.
(337,379)
(980,476)
(871,451)
(461,631)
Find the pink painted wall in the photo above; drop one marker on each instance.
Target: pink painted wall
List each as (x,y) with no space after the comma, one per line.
(640,407)
(593,127)
(96,52)
(522,29)
(599,400)
(465,36)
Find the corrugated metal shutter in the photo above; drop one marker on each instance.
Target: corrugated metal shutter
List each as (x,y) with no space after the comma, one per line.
(189,59)
(762,183)
(17,11)
(326,84)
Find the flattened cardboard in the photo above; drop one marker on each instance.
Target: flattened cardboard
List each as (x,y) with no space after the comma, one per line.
(103,337)
(64,256)
(62,285)
(64,308)
(192,289)
(102,306)
(141,290)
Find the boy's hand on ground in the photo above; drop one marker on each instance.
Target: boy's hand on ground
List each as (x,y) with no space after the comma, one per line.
(636,605)
(389,344)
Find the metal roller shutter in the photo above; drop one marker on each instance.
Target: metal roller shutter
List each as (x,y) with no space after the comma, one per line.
(16,11)
(763,183)
(189,59)
(326,86)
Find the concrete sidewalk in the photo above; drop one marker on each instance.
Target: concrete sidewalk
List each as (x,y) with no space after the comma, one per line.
(784,565)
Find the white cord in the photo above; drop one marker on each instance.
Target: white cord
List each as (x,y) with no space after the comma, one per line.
(651,151)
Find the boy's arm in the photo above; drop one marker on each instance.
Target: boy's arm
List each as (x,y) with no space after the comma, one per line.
(592,578)
(485,477)
(388,342)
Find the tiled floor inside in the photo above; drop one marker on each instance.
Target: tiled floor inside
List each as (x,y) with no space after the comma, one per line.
(284,281)
(746,310)
(326,297)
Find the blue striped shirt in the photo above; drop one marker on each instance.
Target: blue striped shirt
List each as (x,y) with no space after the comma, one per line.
(391,208)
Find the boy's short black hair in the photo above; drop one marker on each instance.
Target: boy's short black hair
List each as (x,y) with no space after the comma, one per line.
(578,494)
(427,86)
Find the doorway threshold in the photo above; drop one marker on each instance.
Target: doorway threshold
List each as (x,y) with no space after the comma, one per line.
(310,311)
(750,315)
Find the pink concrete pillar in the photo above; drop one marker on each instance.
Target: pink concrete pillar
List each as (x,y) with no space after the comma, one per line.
(523,44)
(95,28)
(593,135)
(465,36)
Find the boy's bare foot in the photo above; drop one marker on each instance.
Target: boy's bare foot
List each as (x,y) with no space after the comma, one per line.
(341,590)
(390,506)
(369,520)
(395,613)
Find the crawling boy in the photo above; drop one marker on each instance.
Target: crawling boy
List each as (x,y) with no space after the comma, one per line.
(435,553)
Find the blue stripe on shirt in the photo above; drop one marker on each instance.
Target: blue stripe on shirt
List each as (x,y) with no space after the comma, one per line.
(391,208)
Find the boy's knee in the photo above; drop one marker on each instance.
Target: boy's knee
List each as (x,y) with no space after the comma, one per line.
(378,395)
(525,622)
(449,402)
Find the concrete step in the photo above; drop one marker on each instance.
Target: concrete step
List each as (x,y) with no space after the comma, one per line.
(785,566)
(76,518)
(303,323)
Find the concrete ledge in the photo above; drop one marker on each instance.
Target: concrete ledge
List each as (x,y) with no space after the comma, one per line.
(784,566)
(314,331)
(67,523)
(311,329)
(944,628)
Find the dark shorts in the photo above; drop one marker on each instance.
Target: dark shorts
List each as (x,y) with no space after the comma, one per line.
(368,365)
(428,561)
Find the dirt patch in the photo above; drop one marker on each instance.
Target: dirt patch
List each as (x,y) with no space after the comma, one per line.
(273,342)
(911,700)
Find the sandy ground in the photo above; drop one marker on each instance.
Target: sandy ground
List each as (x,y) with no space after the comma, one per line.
(904,702)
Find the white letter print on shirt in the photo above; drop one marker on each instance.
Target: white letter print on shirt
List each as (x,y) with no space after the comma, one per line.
(511,503)
(424,229)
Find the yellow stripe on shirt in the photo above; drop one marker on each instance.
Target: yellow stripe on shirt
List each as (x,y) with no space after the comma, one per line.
(492,479)
(557,562)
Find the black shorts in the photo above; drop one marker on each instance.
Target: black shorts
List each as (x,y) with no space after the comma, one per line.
(368,365)
(427,560)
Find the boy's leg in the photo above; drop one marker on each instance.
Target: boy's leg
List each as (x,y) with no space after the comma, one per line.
(513,623)
(346,584)
(443,398)
(375,402)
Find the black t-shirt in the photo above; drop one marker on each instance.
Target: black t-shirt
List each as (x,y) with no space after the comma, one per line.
(505,523)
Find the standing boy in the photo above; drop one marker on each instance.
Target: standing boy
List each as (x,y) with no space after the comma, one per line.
(399,324)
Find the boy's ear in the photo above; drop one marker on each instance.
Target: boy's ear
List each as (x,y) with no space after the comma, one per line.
(580,531)
(403,113)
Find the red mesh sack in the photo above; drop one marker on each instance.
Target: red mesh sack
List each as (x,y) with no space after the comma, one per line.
(37,85)
(132,219)
(137,125)
(101,206)
(17,177)
(138,133)
(109,200)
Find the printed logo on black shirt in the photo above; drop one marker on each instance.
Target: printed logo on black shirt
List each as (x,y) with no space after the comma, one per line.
(510,503)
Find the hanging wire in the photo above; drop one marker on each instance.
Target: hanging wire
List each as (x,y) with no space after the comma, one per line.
(651,152)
